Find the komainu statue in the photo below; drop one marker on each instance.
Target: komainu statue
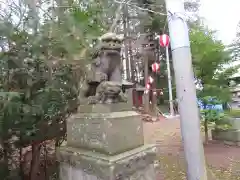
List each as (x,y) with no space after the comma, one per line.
(103,82)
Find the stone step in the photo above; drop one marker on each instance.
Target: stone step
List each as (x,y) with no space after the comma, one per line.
(80,164)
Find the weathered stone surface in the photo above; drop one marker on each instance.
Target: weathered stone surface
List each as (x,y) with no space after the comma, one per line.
(109,133)
(71,173)
(137,164)
(235,122)
(106,66)
(105,108)
(231,143)
(226,135)
(108,92)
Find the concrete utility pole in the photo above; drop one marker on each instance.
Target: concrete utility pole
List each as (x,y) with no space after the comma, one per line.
(186,90)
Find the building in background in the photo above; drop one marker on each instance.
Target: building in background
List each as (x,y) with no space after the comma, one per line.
(235,90)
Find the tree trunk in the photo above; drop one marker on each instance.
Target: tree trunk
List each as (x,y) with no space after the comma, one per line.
(206,130)
(21,171)
(154,96)
(35,161)
(205,123)
(5,168)
(45,162)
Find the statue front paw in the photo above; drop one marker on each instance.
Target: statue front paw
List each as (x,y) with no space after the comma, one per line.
(103,77)
(99,77)
(92,100)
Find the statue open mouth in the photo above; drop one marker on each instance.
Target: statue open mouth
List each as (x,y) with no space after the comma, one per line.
(112,51)
(111,48)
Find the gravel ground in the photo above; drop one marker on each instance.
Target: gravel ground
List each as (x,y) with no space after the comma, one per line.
(223,162)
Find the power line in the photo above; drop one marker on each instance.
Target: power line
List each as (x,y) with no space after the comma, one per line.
(152,5)
(140,8)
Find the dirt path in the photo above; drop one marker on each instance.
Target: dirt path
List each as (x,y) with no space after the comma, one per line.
(223,161)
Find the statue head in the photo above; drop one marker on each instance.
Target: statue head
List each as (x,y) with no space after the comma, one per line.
(111,42)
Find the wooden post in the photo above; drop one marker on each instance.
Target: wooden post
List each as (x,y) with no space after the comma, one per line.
(146,95)
(154,96)
(126,44)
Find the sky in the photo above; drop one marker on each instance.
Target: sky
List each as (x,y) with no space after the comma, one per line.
(222,16)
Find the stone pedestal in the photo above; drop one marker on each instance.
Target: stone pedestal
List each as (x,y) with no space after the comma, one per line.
(231,137)
(105,142)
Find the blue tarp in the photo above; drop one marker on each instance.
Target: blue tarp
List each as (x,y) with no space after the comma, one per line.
(218,107)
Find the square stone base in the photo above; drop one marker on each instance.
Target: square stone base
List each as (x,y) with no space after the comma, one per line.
(106,132)
(136,164)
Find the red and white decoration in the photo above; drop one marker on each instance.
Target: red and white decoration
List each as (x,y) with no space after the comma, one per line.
(148,86)
(150,80)
(164,40)
(155,67)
